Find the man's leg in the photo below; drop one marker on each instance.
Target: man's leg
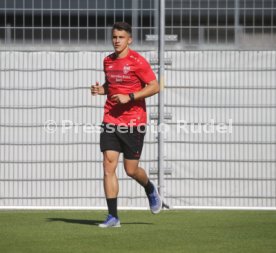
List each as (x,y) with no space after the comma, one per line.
(111,187)
(134,171)
(110,163)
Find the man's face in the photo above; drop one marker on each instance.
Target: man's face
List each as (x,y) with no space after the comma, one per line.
(120,40)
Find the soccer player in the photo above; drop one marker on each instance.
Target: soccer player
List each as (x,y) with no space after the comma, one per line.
(129,80)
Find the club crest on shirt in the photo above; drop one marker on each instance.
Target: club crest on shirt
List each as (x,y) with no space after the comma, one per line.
(126,69)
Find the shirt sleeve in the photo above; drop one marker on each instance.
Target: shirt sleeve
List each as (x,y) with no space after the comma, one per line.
(104,64)
(144,71)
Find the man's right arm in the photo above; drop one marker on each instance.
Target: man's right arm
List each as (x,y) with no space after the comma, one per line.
(99,89)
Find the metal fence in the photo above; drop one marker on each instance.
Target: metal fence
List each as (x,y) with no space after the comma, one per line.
(220,93)
(85,22)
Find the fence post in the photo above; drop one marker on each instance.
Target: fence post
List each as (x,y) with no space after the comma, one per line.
(237,21)
(134,20)
(161,49)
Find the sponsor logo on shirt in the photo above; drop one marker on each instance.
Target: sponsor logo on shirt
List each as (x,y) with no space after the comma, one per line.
(118,78)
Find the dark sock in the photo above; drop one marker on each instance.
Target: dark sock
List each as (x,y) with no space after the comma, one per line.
(112,207)
(149,188)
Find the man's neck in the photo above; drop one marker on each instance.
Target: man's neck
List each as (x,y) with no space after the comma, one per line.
(123,54)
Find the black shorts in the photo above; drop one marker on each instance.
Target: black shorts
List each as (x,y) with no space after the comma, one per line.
(126,140)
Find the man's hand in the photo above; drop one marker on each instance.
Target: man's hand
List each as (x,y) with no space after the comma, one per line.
(120,98)
(97,89)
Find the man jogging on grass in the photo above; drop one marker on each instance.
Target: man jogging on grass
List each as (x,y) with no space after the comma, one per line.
(129,80)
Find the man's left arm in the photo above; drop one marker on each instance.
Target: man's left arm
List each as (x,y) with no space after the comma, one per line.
(149,90)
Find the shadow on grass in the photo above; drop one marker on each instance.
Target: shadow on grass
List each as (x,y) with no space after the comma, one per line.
(93,222)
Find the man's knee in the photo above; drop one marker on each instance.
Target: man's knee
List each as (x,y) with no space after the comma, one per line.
(109,167)
(131,171)
(131,167)
(110,164)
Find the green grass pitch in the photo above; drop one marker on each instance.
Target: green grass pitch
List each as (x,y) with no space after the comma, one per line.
(168,232)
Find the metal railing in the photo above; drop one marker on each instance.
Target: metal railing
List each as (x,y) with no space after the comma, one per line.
(248,23)
(219,106)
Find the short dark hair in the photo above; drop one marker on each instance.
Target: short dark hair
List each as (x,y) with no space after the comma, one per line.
(122,26)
